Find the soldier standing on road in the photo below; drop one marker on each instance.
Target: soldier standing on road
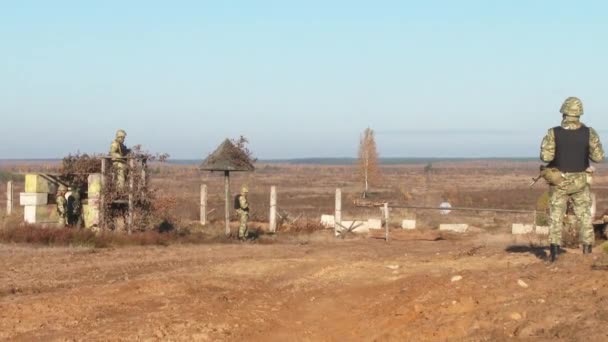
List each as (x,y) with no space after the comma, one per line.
(243,211)
(118,153)
(568,148)
(61,205)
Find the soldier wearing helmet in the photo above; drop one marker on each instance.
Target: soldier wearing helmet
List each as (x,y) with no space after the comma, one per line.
(61,205)
(118,153)
(567,149)
(242,208)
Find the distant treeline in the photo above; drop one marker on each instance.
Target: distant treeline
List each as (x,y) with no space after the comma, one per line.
(316,161)
(352,161)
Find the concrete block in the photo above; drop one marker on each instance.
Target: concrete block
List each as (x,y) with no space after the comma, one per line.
(543,230)
(328,221)
(33,198)
(37,183)
(94,185)
(374,223)
(40,214)
(519,228)
(408,224)
(360,227)
(90,212)
(29,214)
(454,227)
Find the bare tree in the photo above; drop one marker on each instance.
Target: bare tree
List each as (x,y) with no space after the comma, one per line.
(368,160)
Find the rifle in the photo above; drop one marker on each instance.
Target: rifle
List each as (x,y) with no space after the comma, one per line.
(540,175)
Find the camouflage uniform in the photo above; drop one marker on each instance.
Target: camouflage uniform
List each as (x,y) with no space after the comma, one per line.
(118,152)
(243,212)
(573,185)
(61,206)
(74,207)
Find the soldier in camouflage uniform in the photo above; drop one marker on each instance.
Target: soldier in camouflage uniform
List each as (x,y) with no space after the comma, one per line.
(568,148)
(243,211)
(74,207)
(61,205)
(118,153)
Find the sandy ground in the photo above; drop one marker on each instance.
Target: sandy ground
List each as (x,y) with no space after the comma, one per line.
(304,288)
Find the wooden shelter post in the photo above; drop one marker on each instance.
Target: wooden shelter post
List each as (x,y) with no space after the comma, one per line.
(227,208)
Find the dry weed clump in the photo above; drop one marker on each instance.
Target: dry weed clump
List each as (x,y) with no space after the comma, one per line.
(33,234)
(302,226)
(46,236)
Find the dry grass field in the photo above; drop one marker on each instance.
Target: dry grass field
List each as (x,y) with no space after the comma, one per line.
(304,284)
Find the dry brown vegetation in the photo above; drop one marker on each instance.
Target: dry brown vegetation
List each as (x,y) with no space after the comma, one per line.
(303,284)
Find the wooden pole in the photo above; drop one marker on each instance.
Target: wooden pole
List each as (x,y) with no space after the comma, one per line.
(338,213)
(142,181)
(131,190)
(9,197)
(227,208)
(386,221)
(203,213)
(273,209)
(102,205)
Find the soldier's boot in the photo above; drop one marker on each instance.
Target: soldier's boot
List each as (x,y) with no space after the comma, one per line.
(586,249)
(554,251)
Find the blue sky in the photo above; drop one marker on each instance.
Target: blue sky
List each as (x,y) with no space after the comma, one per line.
(298,78)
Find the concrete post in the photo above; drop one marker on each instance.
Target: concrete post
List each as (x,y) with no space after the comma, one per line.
(203,213)
(386,221)
(273,209)
(338,213)
(9,197)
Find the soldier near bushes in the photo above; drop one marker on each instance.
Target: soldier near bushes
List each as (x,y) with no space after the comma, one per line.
(74,208)
(241,205)
(61,205)
(567,149)
(118,153)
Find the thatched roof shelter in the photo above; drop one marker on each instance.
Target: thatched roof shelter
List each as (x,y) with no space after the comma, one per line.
(227,157)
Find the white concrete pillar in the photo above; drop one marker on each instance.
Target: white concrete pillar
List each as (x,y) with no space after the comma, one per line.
(338,213)
(9,197)
(273,209)
(203,209)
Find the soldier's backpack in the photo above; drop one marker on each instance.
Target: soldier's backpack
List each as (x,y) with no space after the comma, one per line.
(237,202)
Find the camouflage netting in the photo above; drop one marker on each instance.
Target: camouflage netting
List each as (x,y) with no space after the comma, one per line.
(228,157)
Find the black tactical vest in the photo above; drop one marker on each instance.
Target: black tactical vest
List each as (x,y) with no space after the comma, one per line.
(571,149)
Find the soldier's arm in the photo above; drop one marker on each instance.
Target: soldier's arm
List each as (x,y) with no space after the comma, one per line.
(547,147)
(596,152)
(115,150)
(243,202)
(61,205)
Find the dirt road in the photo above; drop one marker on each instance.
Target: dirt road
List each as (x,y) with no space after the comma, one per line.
(310,288)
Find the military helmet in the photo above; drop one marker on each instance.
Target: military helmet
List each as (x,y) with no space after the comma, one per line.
(121,133)
(62,188)
(245,189)
(572,106)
